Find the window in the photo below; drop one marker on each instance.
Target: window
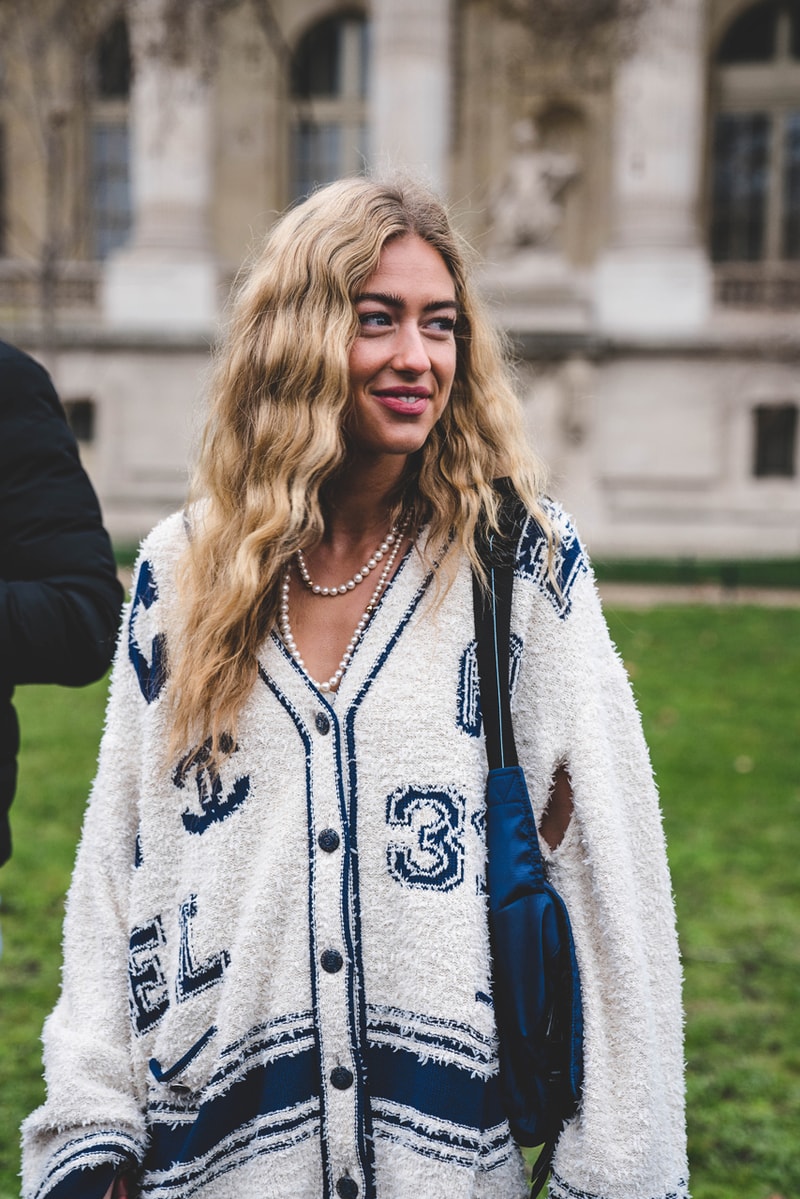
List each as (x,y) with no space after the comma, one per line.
(755,157)
(80,414)
(109,142)
(775,441)
(741,181)
(329,88)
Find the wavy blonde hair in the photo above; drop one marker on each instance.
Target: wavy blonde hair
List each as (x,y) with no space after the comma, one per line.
(274,439)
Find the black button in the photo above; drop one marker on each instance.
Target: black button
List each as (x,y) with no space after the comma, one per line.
(347,1188)
(332,961)
(342,1078)
(322,723)
(328,840)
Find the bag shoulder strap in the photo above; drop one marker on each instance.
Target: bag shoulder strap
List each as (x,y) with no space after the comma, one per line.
(492,610)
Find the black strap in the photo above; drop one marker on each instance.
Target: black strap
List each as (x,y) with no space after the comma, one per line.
(497,552)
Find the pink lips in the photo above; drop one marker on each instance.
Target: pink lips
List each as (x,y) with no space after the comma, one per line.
(408,401)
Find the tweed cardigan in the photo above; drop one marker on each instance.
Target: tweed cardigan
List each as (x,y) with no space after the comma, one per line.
(277,979)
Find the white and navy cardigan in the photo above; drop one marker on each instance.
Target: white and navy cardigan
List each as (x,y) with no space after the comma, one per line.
(277,981)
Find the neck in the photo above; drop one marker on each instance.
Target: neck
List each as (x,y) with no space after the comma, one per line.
(358,503)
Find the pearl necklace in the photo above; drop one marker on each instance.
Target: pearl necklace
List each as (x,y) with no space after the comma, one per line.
(358,577)
(332,683)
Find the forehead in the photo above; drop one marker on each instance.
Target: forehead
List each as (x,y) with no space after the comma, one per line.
(409,265)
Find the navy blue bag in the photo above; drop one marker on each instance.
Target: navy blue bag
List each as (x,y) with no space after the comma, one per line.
(536,986)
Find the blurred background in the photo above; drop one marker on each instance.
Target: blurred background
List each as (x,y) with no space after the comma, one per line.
(629,171)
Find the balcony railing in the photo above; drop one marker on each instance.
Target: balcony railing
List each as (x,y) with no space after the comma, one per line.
(72,293)
(762,285)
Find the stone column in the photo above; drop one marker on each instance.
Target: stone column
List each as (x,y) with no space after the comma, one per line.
(655,276)
(410,87)
(165,280)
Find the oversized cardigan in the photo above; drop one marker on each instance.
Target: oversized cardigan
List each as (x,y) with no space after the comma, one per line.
(277,979)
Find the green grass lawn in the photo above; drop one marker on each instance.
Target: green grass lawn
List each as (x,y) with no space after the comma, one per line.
(718,690)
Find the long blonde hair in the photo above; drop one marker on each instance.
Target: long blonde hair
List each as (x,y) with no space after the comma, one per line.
(274,436)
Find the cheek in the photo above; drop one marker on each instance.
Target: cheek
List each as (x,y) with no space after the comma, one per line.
(449,369)
(361,366)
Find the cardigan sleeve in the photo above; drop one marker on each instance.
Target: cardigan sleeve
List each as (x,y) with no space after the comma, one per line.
(92,1120)
(573,705)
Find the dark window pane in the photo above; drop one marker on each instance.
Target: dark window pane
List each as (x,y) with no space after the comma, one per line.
(791,194)
(739,191)
(80,414)
(775,440)
(113,62)
(317,63)
(316,156)
(794,9)
(365,52)
(111,202)
(751,38)
(315,68)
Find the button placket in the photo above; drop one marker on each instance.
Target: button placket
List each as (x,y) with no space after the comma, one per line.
(332,919)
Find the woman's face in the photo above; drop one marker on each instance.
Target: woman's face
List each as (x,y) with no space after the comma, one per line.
(403,360)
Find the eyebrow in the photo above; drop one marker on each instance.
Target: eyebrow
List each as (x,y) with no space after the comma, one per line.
(393,301)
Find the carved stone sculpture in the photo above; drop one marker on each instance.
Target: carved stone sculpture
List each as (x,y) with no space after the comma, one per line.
(528,206)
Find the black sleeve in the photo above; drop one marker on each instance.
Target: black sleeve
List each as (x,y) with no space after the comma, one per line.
(59,593)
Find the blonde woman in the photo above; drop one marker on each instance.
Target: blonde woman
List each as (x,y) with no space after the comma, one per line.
(277,977)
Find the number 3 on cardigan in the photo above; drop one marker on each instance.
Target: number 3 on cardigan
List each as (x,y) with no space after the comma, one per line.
(432,857)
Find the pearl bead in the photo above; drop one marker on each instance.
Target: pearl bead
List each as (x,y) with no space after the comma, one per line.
(394,538)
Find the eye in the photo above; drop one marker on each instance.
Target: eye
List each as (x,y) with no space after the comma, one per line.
(441,325)
(374,320)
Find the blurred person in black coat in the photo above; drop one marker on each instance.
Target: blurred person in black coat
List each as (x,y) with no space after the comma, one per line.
(59,594)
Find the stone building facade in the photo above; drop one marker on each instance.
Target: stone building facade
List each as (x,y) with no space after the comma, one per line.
(630,177)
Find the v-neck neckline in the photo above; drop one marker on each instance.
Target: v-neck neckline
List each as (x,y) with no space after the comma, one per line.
(410,576)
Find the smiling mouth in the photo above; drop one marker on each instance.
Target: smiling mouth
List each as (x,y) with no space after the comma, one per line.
(409,395)
(404,401)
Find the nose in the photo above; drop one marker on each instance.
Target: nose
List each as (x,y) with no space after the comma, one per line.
(410,352)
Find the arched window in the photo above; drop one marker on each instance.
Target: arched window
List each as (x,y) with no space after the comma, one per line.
(329,89)
(109,142)
(755,169)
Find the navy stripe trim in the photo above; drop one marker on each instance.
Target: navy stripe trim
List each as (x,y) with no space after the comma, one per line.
(286,1034)
(427,1034)
(561,1189)
(403,1017)
(358,1015)
(438,1089)
(161,1075)
(268,1092)
(305,737)
(83,1155)
(444,1142)
(254,1139)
